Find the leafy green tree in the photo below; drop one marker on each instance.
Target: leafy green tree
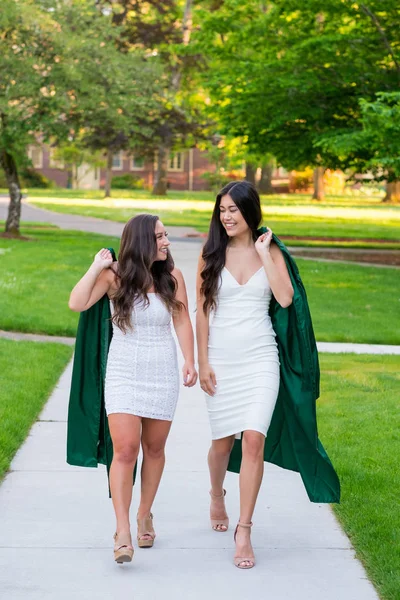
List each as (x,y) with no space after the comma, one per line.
(163,29)
(65,79)
(286,75)
(78,160)
(29,100)
(378,138)
(114,91)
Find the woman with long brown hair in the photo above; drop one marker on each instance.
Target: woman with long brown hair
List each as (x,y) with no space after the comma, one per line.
(239,271)
(141,390)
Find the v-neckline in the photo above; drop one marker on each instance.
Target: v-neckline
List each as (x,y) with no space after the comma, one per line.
(250,278)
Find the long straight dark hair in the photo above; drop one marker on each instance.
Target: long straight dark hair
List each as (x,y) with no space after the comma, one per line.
(138,271)
(246,198)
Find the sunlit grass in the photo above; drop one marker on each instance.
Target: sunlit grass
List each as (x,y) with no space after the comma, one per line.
(178,205)
(359,424)
(28,373)
(36,278)
(352,303)
(306,221)
(355,198)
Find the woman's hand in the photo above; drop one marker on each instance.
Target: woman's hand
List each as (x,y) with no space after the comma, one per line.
(103,259)
(208,381)
(96,282)
(189,374)
(263,243)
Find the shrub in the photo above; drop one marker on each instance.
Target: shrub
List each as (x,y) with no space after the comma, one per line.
(32,179)
(216,180)
(301,180)
(127,182)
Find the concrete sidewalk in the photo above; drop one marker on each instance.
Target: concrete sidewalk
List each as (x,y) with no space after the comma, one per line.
(56,523)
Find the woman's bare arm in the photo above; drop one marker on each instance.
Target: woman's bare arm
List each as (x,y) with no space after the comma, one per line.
(275,268)
(208,381)
(184,331)
(96,282)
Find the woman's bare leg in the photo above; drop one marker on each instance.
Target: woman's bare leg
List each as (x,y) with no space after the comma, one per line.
(125,435)
(218,458)
(154,437)
(250,478)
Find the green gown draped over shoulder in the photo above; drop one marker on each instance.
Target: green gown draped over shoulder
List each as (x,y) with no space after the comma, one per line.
(292,440)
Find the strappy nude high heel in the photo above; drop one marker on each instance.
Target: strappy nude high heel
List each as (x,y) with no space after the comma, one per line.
(123,552)
(145,527)
(238,560)
(217,523)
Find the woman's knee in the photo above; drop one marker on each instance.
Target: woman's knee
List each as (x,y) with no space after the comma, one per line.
(253,444)
(153,450)
(126,453)
(221,448)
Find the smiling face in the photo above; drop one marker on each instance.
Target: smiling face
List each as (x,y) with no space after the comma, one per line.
(161,241)
(231,217)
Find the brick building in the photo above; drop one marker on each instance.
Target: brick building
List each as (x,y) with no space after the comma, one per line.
(185,172)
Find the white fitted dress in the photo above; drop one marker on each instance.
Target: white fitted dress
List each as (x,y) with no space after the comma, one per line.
(243,352)
(142,376)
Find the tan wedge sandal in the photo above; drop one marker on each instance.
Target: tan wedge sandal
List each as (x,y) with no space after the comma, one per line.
(145,527)
(239,560)
(123,552)
(216,524)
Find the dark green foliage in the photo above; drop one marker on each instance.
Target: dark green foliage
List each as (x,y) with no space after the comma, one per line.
(290,75)
(33,179)
(127,182)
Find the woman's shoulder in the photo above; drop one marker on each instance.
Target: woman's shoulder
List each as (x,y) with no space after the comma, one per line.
(111,276)
(177,273)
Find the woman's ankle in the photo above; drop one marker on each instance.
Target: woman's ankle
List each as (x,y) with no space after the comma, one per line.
(123,529)
(143,513)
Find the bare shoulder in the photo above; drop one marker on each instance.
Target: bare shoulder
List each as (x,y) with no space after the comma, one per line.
(177,273)
(110,277)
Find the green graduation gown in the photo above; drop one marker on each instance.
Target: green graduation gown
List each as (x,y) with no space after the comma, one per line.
(292,440)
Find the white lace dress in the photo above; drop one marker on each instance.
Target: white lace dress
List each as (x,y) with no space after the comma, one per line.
(142,376)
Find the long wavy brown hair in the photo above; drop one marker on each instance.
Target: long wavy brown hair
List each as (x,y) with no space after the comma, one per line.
(138,271)
(246,198)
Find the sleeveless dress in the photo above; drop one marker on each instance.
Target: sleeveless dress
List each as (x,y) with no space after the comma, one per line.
(142,376)
(244,355)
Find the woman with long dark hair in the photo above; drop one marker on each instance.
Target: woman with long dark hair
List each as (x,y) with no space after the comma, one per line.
(239,271)
(141,390)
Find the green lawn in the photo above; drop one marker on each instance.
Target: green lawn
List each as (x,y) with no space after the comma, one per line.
(28,373)
(359,425)
(37,276)
(351,303)
(354,199)
(296,218)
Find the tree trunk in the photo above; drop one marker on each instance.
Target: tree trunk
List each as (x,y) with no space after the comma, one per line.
(265,183)
(392,191)
(161,176)
(319,192)
(250,175)
(14,209)
(164,149)
(107,187)
(70,177)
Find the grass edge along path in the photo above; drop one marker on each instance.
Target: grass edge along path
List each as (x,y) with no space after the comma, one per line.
(28,373)
(359,425)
